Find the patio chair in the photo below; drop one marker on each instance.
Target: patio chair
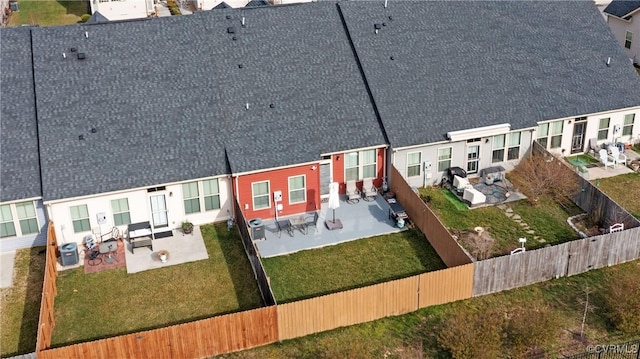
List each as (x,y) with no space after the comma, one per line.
(353,193)
(369,191)
(605,159)
(618,157)
(593,146)
(284,225)
(312,220)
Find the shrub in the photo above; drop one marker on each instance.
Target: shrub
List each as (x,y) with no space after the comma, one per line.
(530,330)
(538,175)
(468,334)
(85,18)
(623,302)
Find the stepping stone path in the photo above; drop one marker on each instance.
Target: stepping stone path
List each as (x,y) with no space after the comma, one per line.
(508,211)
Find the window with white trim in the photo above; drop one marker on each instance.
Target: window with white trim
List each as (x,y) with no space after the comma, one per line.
(556,134)
(27,218)
(627,128)
(191,197)
(211,190)
(628,37)
(513,152)
(7,227)
(603,129)
(297,189)
(260,194)
(498,148)
(444,158)
(542,134)
(80,218)
(360,164)
(414,160)
(120,210)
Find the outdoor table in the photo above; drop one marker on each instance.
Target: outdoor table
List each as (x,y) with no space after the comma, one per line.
(298,222)
(396,210)
(108,248)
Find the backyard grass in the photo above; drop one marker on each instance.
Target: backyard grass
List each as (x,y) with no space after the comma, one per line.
(624,189)
(584,158)
(48,12)
(350,265)
(547,220)
(112,302)
(415,335)
(20,305)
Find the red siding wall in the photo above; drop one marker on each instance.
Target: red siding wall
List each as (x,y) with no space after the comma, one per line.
(279,181)
(338,171)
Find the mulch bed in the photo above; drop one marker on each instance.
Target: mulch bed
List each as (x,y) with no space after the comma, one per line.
(101,265)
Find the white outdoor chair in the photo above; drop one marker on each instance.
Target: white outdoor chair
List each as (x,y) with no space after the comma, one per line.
(353,193)
(369,191)
(618,158)
(605,159)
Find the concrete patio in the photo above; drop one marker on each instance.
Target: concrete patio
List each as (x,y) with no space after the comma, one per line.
(182,248)
(359,220)
(596,171)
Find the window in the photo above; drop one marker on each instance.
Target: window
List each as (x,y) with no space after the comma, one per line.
(120,209)
(603,129)
(7,228)
(627,39)
(514,146)
(26,212)
(297,189)
(363,162)
(351,166)
(369,164)
(191,197)
(413,164)
(556,134)
(211,190)
(627,129)
(543,134)
(498,149)
(260,194)
(80,218)
(444,158)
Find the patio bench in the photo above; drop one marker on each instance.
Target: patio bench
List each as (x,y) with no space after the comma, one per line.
(140,235)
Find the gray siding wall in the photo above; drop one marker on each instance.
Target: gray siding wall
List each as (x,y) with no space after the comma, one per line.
(33,240)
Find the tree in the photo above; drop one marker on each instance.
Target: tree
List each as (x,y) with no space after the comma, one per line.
(538,176)
(469,334)
(623,302)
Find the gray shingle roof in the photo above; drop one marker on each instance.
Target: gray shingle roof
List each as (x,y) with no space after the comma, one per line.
(621,8)
(147,89)
(97,18)
(297,58)
(19,163)
(459,65)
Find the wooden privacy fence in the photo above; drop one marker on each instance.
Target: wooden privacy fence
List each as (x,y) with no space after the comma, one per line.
(374,302)
(199,339)
(423,217)
(46,320)
(256,264)
(566,259)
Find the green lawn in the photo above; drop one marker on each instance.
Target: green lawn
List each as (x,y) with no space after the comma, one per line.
(109,303)
(584,158)
(350,265)
(624,189)
(414,335)
(548,220)
(48,12)
(20,306)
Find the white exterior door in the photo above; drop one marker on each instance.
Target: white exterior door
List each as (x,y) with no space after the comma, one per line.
(473,155)
(159,211)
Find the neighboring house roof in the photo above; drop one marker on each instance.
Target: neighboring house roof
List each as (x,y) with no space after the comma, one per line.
(97,18)
(622,8)
(19,162)
(461,65)
(299,59)
(256,3)
(148,91)
(222,5)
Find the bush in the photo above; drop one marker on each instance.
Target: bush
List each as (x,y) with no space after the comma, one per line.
(531,330)
(468,334)
(623,302)
(85,18)
(537,176)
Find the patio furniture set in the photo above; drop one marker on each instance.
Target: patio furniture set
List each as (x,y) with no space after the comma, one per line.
(368,192)
(103,250)
(300,223)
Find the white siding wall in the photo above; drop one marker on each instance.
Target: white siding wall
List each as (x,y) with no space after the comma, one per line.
(123,10)
(210,4)
(139,209)
(30,240)
(620,27)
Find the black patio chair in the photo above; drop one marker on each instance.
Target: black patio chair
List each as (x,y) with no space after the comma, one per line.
(284,225)
(312,220)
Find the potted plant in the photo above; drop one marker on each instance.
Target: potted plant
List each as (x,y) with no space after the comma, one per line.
(187,227)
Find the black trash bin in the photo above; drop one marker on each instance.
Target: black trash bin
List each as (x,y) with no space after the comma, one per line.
(257,229)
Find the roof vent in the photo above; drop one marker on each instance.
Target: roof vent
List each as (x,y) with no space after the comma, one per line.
(243,21)
(73,49)
(390,18)
(240,66)
(234,38)
(377,26)
(86,34)
(391,58)
(94,130)
(385,4)
(246,106)
(271,105)
(231,30)
(608,61)
(81,56)
(228,17)
(384,24)
(64,56)
(81,137)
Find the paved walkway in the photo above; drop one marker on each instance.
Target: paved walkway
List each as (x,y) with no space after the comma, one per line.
(7,260)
